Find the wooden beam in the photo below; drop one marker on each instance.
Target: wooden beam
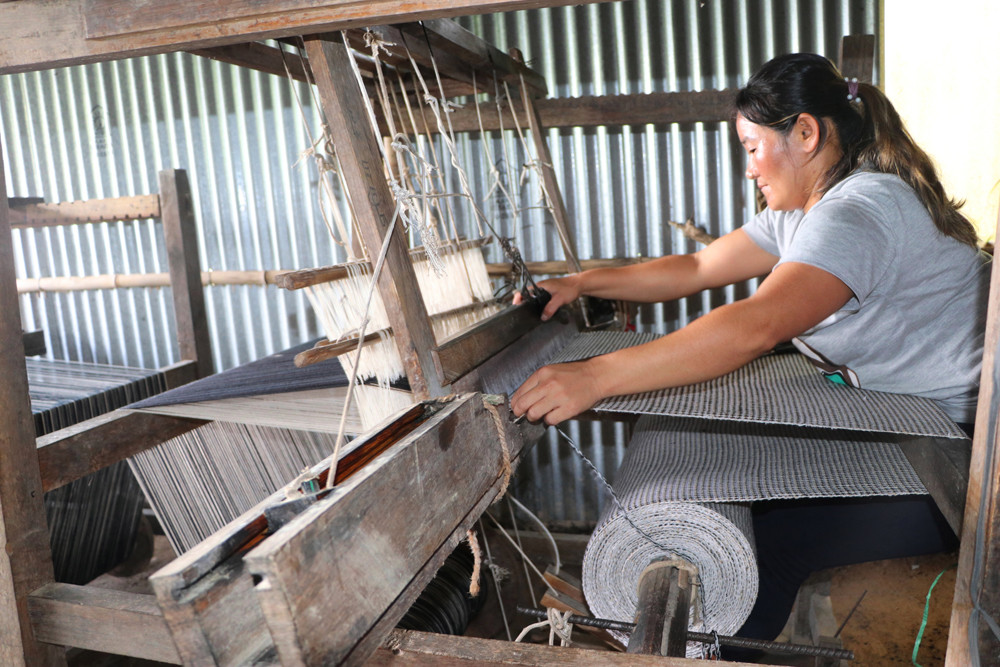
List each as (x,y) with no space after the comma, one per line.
(180,233)
(465,351)
(25,557)
(260,57)
(36,215)
(408,648)
(445,36)
(559,267)
(361,168)
(979,553)
(553,194)
(316,611)
(72,453)
(942,464)
(100,619)
(607,110)
(40,34)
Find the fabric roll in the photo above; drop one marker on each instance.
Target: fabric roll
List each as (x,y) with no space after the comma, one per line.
(683,490)
(716,538)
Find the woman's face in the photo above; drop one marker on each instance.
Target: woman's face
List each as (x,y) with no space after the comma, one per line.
(771,165)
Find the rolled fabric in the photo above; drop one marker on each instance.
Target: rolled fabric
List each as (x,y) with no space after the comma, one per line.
(717,538)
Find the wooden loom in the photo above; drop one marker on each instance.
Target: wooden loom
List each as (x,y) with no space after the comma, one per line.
(56,32)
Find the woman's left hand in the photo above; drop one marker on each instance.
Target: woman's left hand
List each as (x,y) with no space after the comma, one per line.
(557,393)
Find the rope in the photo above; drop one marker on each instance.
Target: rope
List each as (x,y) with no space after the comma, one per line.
(477,562)
(558,624)
(505,466)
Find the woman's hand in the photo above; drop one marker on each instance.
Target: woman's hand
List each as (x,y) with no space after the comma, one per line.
(563,290)
(557,393)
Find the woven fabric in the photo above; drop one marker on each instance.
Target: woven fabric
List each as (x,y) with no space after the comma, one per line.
(775,389)
(694,460)
(717,539)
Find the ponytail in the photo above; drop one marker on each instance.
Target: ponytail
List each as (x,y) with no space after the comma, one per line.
(871,133)
(892,150)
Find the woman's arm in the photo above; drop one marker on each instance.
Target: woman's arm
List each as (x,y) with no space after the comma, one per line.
(794,298)
(732,258)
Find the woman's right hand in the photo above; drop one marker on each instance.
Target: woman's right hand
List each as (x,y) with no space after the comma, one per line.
(563,290)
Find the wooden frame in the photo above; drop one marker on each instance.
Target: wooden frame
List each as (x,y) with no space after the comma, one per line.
(33,467)
(49,33)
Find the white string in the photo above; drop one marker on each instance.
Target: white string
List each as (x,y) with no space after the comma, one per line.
(545,530)
(496,579)
(521,551)
(558,624)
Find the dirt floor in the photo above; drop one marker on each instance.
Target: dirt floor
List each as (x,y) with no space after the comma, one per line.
(882,630)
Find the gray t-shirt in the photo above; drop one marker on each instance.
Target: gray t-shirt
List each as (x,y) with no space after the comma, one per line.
(917,319)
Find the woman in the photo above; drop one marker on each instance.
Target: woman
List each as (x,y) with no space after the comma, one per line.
(872,272)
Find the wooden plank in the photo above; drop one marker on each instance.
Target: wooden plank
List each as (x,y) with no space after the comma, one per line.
(25,558)
(101,619)
(942,464)
(608,110)
(180,234)
(39,34)
(559,267)
(36,215)
(857,57)
(510,356)
(405,648)
(207,599)
(361,168)
(449,37)
(206,593)
(74,452)
(390,526)
(465,351)
(260,57)
(982,505)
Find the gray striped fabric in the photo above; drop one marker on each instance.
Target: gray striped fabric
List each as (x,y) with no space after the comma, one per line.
(775,389)
(670,459)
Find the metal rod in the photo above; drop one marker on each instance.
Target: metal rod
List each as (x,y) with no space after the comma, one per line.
(708,638)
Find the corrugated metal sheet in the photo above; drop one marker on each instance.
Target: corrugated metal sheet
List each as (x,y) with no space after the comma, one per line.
(106,130)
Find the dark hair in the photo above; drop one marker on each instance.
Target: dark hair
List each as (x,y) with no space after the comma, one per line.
(870,131)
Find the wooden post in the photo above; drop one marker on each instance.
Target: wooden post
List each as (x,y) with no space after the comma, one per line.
(177,214)
(979,554)
(552,191)
(25,558)
(661,616)
(361,167)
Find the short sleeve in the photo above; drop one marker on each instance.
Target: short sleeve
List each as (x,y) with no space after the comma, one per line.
(762,230)
(851,237)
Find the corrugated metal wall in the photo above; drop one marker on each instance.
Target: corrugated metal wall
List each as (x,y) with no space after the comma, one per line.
(105,130)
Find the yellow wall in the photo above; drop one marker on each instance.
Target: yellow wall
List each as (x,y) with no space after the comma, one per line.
(942,72)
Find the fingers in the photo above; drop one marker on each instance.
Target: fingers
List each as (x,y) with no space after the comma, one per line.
(551,307)
(546,395)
